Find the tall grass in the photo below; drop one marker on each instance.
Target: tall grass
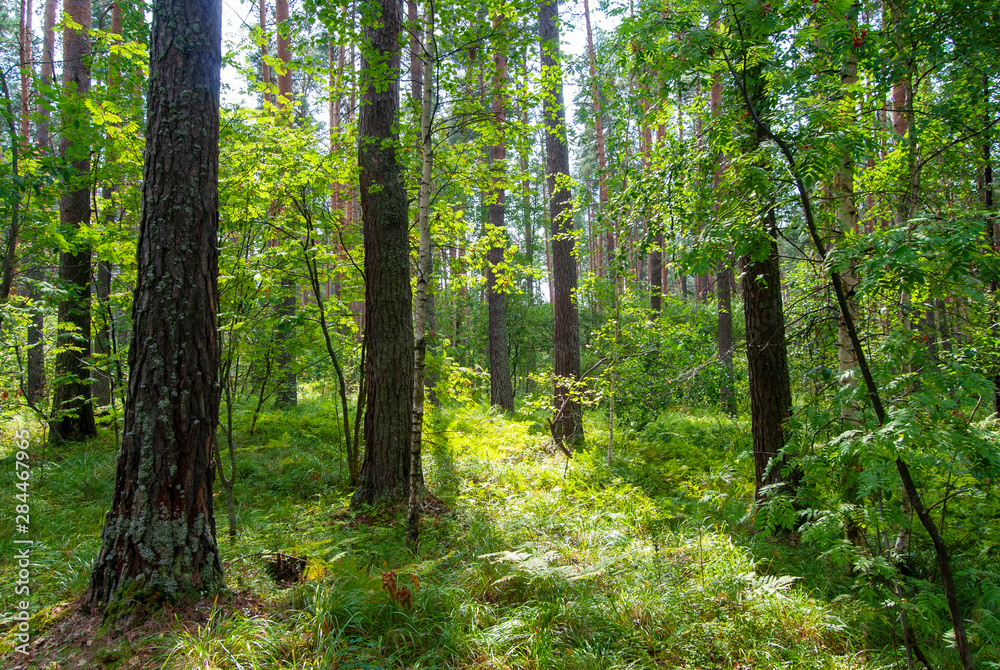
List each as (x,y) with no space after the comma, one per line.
(529,560)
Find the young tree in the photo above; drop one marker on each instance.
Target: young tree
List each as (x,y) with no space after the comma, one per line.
(385,222)
(424,270)
(568,423)
(723,280)
(73,412)
(159,535)
(287,392)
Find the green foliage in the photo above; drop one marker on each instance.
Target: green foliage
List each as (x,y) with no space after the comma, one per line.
(526,560)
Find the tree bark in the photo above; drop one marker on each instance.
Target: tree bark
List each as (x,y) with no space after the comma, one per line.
(767,360)
(993,234)
(47,72)
(73,416)
(25,39)
(501,392)
(724,279)
(36,329)
(159,535)
(103,387)
(528,221)
(909,486)
(389,323)
(568,423)
(424,276)
(265,73)
(602,155)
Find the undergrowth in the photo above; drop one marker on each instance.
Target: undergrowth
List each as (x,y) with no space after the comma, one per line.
(527,559)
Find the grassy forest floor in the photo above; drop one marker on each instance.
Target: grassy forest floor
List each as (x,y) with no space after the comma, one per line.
(527,560)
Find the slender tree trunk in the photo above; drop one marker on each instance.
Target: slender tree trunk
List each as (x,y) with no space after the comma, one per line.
(287,392)
(228,482)
(602,156)
(724,278)
(159,535)
(568,424)
(36,274)
(993,232)
(312,269)
(901,549)
(845,206)
(528,221)
(47,72)
(265,71)
(389,323)
(847,222)
(103,387)
(8,260)
(501,392)
(73,417)
(655,270)
(25,38)
(424,271)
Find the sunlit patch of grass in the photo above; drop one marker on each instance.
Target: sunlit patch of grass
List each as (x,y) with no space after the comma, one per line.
(532,560)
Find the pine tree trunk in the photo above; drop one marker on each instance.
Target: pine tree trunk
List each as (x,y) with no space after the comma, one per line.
(528,221)
(568,424)
(602,159)
(101,388)
(724,279)
(265,71)
(159,540)
(25,39)
(73,417)
(501,392)
(388,320)
(47,72)
(36,274)
(767,360)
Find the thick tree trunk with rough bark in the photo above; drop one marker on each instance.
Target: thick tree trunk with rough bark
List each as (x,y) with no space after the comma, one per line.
(767,360)
(501,392)
(388,318)
(73,417)
(568,424)
(159,540)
